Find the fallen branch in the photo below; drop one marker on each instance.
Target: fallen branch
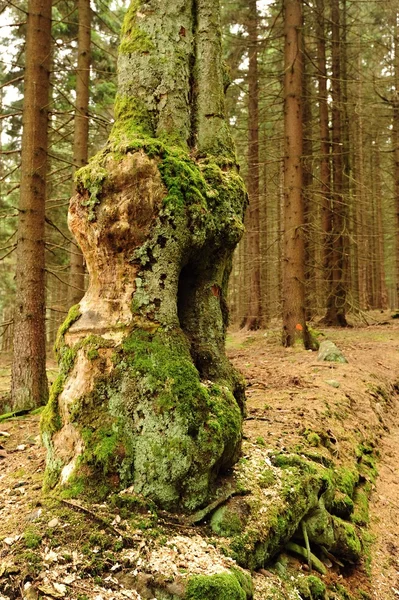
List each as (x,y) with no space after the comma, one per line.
(129,541)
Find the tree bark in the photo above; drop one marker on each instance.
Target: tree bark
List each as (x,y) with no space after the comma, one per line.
(81,136)
(325,165)
(146,396)
(395,132)
(253,318)
(29,380)
(336,301)
(293,285)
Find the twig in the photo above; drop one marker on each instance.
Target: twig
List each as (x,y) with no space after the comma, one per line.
(126,539)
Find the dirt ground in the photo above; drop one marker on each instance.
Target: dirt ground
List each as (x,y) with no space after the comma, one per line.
(289,395)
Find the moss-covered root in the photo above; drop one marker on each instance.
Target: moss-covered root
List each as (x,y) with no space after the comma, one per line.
(232,585)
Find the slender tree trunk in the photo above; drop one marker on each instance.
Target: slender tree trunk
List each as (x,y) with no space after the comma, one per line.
(294,325)
(325,166)
(29,381)
(336,301)
(253,319)
(361,250)
(81,136)
(382,292)
(309,205)
(157,214)
(395,131)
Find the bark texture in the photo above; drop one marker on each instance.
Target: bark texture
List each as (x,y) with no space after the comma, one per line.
(337,267)
(146,396)
(253,318)
(29,381)
(293,290)
(81,136)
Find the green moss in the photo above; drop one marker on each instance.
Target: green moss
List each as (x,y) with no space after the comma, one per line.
(92,353)
(342,506)
(133,121)
(226,522)
(73,315)
(317,587)
(75,487)
(32,563)
(343,592)
(91,179)
(32,538)
(346,480)
(245,581)
(311,588)
(360,514)
(50,421)
(347,543)
(223,586)
(267,478)
(313,438)
(136,40)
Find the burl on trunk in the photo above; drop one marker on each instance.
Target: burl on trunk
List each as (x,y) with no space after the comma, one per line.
(145,396)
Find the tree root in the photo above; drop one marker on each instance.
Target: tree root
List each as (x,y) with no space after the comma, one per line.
(317,564)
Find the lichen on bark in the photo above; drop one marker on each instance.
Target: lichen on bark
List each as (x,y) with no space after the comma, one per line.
(147,396)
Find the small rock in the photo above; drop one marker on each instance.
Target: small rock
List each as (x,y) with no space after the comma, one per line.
(53,523)
(328,351)
(21,447)
(333,383)
(5,433)
(10,540)
(34,515)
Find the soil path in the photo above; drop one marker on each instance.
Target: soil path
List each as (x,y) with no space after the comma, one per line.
(384,524)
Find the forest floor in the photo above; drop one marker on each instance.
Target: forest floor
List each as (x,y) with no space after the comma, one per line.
(52,549)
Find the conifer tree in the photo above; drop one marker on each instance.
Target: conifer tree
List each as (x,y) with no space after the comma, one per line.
(29,381)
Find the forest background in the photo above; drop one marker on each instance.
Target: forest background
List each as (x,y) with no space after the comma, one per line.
(348,99)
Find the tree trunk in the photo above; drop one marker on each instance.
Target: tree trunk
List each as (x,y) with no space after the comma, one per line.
(336,301)
(395,132)
(146,396)
(294,325)
(29,381)
(253,318)
(307,187)
(325,167)
(382,292)
(81,137)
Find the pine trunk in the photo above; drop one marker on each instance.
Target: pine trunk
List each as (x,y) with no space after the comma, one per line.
(253,319)
(325,166)
(29,380)
(293,285)
(81,136)
(146,396)
(395,131)
(336,301)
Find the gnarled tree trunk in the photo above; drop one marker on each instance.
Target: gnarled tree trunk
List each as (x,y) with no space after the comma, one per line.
(146,396)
